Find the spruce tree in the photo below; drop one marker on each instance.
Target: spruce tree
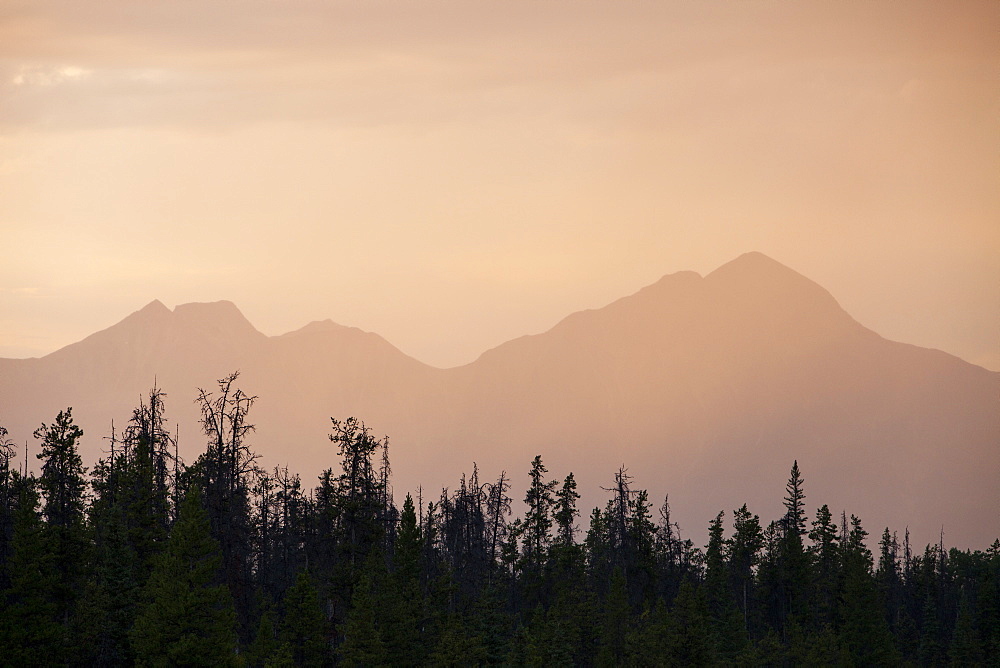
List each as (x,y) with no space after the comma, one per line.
(225,470)
(31,631)
(566,511)
(266,648)
(63,487)
(864,631)
(688,640)
(303,628)
(825,556)
(402,601)
(744,555)
(966,646)
(538,519)
(363,645)
(457,646)
(8,504)
(724,618)
(614,623)
(793,564)
(110,602)
(188,617)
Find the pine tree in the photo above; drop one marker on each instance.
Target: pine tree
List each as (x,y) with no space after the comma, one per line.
(63,487)
(887,579)
(363,645)
(688,642)
(494,624)
(403,599)
(930,650)
(724,618)
(457,646)
(825,556)
(566,511)
(864,631)
(744,554)
(793,564)
(795,517)
(30,628)
(225,469)
(265,647)
(188,617)
(615,623)
(649,640)
(303,628)
(966,647)
(143,480)
(538,520)
(8,504)
(110,604)
(129,515)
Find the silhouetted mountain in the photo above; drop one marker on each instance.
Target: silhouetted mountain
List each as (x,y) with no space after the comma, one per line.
(704,387)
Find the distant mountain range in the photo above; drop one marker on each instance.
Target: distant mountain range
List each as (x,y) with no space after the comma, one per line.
(706,388)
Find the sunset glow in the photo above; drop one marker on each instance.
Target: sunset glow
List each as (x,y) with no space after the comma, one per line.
(452,175)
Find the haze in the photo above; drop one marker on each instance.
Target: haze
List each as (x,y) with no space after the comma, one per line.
(452,175)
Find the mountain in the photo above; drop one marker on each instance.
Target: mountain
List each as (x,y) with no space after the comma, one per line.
(706,388)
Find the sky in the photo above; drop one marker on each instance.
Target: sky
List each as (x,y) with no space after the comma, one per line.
(452,175)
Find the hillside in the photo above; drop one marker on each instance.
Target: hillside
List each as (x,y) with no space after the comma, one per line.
(706,388)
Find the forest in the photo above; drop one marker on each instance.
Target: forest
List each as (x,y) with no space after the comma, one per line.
(144,559)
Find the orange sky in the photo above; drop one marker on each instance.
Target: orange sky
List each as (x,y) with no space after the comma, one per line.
(454,174)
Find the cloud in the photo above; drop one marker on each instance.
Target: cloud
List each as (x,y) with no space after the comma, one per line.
(40,75)
(26,292)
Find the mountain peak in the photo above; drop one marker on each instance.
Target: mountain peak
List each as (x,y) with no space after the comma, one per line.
(755,264)
(152,313)
(155,306)
(221,316)
(756,272)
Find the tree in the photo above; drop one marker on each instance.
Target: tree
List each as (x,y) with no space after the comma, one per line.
(538,519)
(63,487)
(825,555)
(303,628)
(688,642)
(966,647)
(188,617)
(62,481)
(109,606)
(30,628)
(457,645)
(226,468)
(795,517)
(863,628)
(129,517)
(744,550)
(793,564)
(566,511)
(363,644)
(403,599)
(8,503)
(615,623)
(723,617)
(145,479)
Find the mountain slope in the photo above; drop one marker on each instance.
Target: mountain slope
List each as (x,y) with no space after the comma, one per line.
(708,388)
(705,387)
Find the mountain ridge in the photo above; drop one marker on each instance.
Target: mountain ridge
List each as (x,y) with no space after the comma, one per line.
(725,377)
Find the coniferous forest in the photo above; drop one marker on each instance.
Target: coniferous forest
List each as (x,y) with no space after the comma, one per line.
(144,559)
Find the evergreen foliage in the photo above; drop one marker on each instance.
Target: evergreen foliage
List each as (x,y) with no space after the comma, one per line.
(154,562)
(31,628)
(188,616)
(303,629)
(63,487)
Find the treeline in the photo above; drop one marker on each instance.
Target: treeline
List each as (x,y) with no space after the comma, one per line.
(147,560)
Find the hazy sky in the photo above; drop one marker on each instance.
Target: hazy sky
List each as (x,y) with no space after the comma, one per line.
(454,174)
